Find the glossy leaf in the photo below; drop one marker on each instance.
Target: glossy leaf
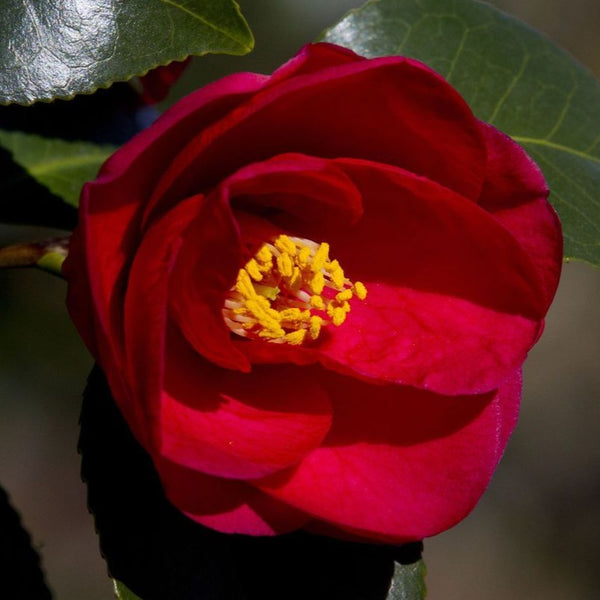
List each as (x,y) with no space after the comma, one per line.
(61,48)
(514,78)
(408,582)
(62,166)
(122,593)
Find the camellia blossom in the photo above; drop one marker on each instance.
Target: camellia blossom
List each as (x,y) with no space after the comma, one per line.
(312,294)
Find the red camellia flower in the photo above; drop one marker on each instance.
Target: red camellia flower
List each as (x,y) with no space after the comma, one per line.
(312,295)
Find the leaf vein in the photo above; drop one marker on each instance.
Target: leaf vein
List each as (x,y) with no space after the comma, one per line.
(210,25)
(511,87)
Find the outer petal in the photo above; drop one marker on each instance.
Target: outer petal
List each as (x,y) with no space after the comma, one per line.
(454,302)
(515,193)
(238,425)
(312,58)
(107,236)
(405,463)
(145,320)
(391,110)
(227,506)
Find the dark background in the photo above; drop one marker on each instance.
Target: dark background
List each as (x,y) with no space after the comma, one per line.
(536,533)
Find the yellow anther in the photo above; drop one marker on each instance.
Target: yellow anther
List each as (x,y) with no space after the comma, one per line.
(337,274)
(264,255)
(360,290)
(244,285)
(274,334)
(320,258)
(260,301)
(338,317)
(285,245)
(290,314)
(295,338)
(304,256)
(315,326)
(317,283)
(295,279)
(278,292)
(253,270)
(285,265)
(343,296)
(317,302)
(268,318)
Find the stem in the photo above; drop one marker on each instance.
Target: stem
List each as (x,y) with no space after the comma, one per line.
(48,255)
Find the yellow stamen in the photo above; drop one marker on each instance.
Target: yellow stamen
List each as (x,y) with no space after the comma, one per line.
(285,245)
(264,255)
(244,285)
(285,265)
(360,290)
(343,296)
(320,258)
(304,256)
(317,302)
(337,274)
(254,270)
(317,283)
(315,326)
(295,337)
(289,292)
(338,316)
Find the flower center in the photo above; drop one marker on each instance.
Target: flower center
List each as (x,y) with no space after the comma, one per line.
(288,292)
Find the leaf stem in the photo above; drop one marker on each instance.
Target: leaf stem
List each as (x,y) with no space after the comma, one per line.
(47,255)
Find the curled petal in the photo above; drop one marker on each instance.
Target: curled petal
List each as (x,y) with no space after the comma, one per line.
(405,463)
(238,425)
(421,124)
(146,318)
(515,192)
(110,218)
(313,58)
(206,268)
(225,505)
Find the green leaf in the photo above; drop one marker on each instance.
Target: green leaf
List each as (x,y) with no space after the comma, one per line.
(58,49)
(62,166)
(514,78)
(408,582)
(122,593)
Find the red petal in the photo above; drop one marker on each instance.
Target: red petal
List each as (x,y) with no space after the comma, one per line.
(145,320)
(400,464)
(157,83)
(238,425)
(227,506)
(312,58)
(515,193)
(293,190)
(205,270)
(454,302)
(393,110)
(108,233)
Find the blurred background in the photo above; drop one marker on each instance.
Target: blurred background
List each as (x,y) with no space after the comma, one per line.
(536,533)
